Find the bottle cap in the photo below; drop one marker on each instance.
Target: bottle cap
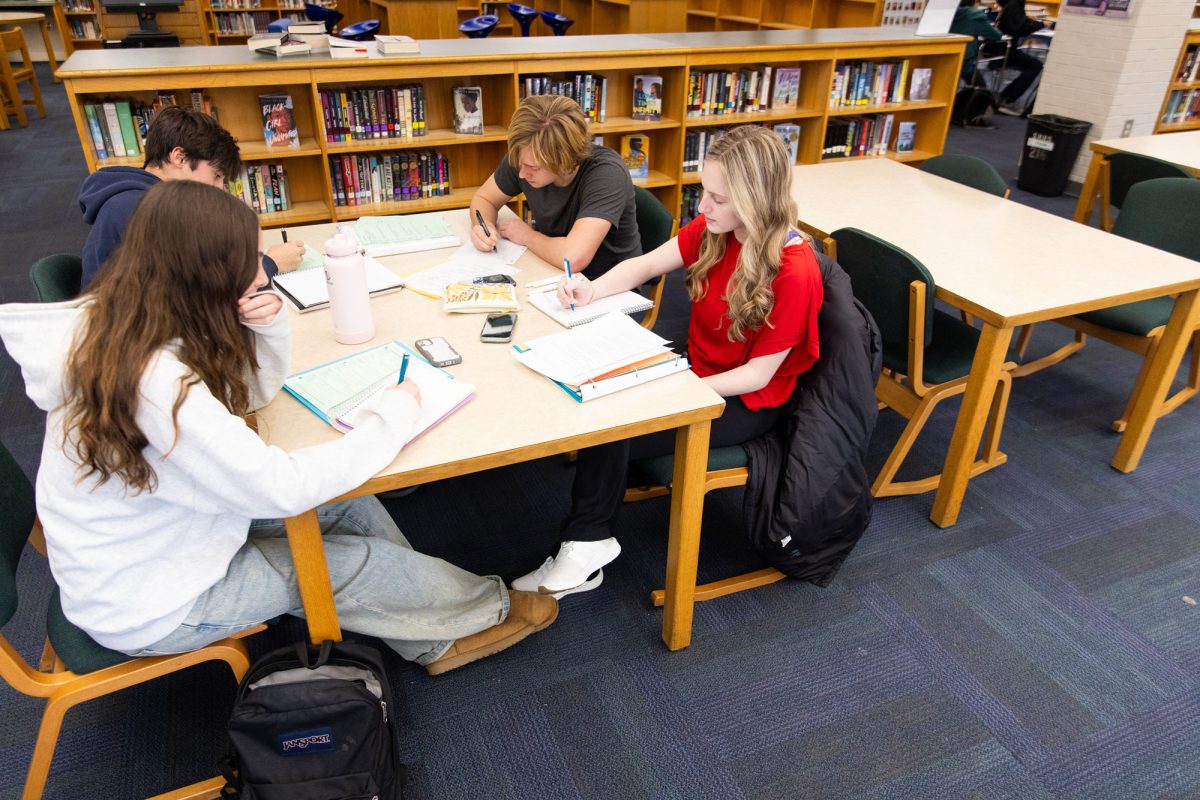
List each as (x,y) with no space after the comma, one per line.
(340,244)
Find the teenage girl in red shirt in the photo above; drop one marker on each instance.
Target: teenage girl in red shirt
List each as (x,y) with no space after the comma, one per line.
(756,290)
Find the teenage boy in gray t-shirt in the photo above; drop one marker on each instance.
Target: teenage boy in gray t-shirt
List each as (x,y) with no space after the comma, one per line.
(581,196)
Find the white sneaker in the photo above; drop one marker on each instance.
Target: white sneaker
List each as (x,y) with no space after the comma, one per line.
(575,562)
(531,581)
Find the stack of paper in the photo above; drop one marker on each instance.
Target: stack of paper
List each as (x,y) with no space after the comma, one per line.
(404,233)
(465,266)
(347,48)
(602,357)
(395,45)
(624,303)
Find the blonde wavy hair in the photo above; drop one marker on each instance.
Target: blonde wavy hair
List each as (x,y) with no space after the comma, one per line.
(757,172)
(554,128)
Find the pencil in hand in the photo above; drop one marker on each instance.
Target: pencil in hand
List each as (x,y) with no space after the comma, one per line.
(567,267)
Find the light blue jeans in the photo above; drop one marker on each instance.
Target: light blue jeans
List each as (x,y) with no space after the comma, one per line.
(382,587)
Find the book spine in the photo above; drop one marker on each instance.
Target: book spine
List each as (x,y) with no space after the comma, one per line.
(89,111)
(116,145)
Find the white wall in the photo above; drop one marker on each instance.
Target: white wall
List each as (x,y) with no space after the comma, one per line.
(1107,71)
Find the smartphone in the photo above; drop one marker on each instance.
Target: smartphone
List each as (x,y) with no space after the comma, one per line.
(498,278)
(498,327)
(437,351)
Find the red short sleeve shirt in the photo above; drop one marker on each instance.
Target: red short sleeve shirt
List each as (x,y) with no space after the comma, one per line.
(792,322)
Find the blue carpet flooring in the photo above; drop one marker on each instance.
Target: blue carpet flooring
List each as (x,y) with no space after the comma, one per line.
(1045,647)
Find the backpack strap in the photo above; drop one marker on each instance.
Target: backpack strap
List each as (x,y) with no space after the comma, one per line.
(303,654)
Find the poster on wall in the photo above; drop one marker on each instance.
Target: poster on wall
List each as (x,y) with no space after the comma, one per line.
(1099,8)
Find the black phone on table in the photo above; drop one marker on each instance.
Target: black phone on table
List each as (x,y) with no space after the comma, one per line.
(498,327)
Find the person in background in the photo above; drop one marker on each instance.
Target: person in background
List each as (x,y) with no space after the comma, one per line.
(181,144)
(756,290)
(163,511)
(972,21)
(581,195)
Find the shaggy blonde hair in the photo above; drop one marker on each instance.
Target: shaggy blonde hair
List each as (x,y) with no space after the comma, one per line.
(554,128)
(757,171)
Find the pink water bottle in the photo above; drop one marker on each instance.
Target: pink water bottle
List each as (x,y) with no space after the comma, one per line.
(349,301)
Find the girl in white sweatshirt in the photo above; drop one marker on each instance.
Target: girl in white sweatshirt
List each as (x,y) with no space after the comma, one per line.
(163,510)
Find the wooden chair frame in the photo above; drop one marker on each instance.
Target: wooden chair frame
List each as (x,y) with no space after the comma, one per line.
(10,96)
(64,689)
(915,400)
(713,479)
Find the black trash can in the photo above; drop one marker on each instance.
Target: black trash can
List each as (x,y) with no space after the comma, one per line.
(1051,145)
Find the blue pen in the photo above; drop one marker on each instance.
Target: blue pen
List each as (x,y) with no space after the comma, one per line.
(567,267)
(403,369)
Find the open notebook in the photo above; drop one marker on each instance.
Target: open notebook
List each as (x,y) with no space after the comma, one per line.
(337,390)
(306,289)
(625,302)
(404,233)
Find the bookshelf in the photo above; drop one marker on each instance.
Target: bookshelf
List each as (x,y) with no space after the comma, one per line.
(85,25)
(233,77)
(1183,92)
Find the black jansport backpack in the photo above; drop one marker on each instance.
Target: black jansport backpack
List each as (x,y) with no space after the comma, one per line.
(313,724)
(973,107)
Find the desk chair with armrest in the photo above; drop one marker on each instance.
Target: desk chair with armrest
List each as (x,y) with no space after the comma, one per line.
(655,226)
(927,353)
(74,668)
(1120,172)
(1162,213)
(57,277)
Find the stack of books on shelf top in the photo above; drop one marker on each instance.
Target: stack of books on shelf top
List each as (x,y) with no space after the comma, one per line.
(118,127)
(862,83)
(747,91)
(378,112)
(362,179)
(278,44)
(589,90)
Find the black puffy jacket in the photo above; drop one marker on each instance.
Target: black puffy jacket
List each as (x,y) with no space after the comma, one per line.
(808,499)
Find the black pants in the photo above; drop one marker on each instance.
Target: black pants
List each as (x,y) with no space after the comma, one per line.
(602,471)
(1028,66)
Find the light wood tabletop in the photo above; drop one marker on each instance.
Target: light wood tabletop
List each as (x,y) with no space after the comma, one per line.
(1182,148)
(516,415)
(18,17)
(1009,265)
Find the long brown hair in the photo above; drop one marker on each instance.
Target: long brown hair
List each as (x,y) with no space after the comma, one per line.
(759,176)
(187,255)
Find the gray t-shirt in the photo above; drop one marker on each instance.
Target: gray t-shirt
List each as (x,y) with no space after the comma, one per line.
(601,189)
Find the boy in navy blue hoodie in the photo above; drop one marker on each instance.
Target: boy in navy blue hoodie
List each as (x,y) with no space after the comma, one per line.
(181,144)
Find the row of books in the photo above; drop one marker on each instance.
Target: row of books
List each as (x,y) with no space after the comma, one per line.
(866,136)
(860,83)
(689,206)
(587,89)
(118,127)
(902,12)
(373,112)
(223,5)
(1183,105)
(360,179)
(84,28)
(742,92)
(263,187)
(1189,69)
(79,5)
(247,22)
(696,144)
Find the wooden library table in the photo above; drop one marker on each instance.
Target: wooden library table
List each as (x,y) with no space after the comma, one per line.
(19,17)
(516,415)
(1009,265)
(1179,148)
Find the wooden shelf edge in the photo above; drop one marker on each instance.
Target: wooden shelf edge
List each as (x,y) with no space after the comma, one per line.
(908,105)
(438,137)
(709,120)
(458,198)
(698,12)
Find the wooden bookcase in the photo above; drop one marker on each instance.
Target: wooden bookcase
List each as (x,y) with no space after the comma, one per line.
(187,23)
(234,78)
(1191,40)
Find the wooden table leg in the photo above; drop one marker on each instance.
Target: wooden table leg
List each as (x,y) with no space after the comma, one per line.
(968,429)
(1087,195)
(312,574)
(1160,373)
(45,25)
(683,543)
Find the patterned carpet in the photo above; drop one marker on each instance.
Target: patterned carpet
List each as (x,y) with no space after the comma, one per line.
(1045,647)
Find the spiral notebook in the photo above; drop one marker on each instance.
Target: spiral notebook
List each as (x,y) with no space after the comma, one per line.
(625,302)
(336,391)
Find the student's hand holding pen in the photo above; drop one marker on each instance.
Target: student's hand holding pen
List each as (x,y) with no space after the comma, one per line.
(408,387)
(577,290)
(482,235)
(287,256)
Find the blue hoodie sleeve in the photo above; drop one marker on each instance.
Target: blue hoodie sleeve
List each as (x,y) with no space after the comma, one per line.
(107,230)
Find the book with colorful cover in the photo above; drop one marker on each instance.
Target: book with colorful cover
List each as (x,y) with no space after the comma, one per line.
(635,152)
(787,88)
(921,78)
(790,134)
(647,97)
(468,109)
(279,120)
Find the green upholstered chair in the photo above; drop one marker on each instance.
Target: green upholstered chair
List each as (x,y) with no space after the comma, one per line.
(74,668)
(1162,213)
(655,226)
(1122,171)
(898,291)
(57,277)
(969,171)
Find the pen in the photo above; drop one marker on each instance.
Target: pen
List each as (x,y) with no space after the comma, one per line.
(483,224)
(567,267)
(403,369)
